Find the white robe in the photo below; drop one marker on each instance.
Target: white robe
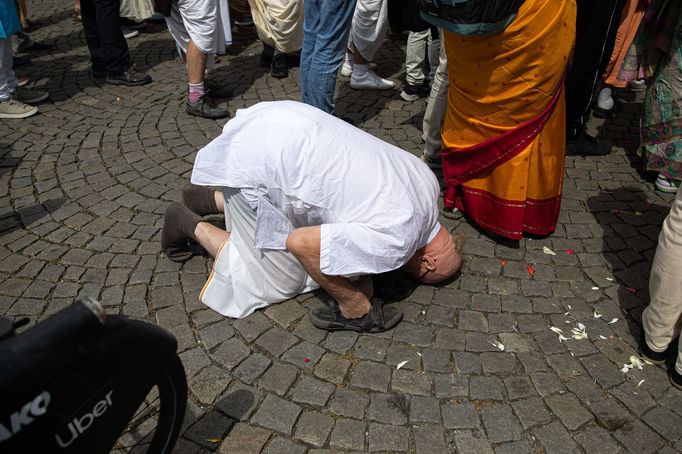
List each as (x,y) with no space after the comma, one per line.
(369,26)
(196,20)
(295,166)
(279,23)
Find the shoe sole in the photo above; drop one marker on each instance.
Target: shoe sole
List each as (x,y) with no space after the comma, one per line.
(656,362)
(35,100)
(675,379)
(408,97)
(668,189)
(362,87)
(129,84)
(19,116)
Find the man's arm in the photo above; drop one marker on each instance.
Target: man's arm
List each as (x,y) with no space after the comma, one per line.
(304,244)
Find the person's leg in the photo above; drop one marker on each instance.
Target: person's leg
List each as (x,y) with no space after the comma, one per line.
(8,81)
(415,57)
(435,111)
(595,23)
(210,237)
(332,36)
(91,32)
(661,318)
(311,20)
(113,49)
(196,64)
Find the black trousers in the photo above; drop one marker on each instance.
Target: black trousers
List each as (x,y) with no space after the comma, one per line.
(108,47)
(595,35)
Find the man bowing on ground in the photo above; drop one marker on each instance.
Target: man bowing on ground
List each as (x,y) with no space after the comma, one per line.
(309,201)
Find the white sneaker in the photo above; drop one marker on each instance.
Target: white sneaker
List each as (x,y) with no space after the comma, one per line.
(15,109)
(370,81)
(347,68)
(129,32)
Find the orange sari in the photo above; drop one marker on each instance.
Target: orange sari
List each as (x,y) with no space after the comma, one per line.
(504,131)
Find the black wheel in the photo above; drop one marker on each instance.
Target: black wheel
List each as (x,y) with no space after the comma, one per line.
(155,426)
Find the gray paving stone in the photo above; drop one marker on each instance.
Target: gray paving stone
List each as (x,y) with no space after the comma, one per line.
(411,382)
(213,335)
(500,424)
(638,438)
(389,408)
(555,439)
(472,321)
(388,438)
(531,412)
(501,364)
(546,383)
(276,341)
(251,368)
(486,388)
(371,348)
(244,438)
(252,326)
(610,414)
(239,401)
(449,339)
(332,368)
(209,384)
(277,414)
(467,363)
(311,391)
(596,439)
(340,341)
(349,403)
(450,385)
(348,434)
(231,353)
(414,334)
(286,313)
(280,445)
(424,410)
(313,428)
(602,370)
(519,387)
(514,447)
(372,376)
(304,355)
(568,409)
(429,439)
(665,422)
(459,416)
(278,378)
(472,443)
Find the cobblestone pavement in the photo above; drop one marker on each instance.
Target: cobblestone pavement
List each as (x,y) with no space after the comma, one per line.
(83,188)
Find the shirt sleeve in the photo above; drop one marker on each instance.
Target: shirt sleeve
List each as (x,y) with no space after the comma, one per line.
(351,249)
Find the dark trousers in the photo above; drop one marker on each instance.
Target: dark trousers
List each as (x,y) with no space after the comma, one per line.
(595,34)
(108,47)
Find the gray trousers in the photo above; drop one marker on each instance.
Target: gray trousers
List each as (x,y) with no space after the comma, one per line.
(436,107)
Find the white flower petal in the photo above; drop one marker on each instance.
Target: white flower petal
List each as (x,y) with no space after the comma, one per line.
(548,251)
(596,314)
(401,364)
(555,329)
(614,320)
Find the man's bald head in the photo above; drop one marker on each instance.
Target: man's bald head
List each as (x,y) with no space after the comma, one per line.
(440,259)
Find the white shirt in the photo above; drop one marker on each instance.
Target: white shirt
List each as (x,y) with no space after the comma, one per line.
(299,166)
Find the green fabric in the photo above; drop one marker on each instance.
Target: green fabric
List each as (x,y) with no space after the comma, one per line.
(661,123)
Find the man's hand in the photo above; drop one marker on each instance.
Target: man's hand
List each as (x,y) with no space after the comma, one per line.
(304,244)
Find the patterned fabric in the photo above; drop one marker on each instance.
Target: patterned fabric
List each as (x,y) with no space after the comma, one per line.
(9,21)
(661,123)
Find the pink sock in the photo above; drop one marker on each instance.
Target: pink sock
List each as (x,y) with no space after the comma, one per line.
(196,92)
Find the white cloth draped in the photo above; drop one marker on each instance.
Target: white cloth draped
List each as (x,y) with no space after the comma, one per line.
(279,23)
(196,20)
(369,26)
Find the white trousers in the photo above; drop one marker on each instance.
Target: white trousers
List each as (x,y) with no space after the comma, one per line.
(245,278)
(8,81)
(436,107)
(196,20)
(369,26)
(279,23)
(661,319)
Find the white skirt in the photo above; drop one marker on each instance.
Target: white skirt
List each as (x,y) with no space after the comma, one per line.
(245,278)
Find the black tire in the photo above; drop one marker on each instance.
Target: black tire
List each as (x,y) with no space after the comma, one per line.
(172,404)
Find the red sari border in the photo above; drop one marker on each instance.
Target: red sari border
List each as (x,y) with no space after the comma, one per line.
(537,217)
(462,164)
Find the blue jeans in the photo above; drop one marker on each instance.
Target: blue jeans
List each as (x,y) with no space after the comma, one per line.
(326,26)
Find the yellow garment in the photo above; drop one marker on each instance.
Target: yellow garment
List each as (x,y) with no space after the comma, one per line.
(279,23)
(499,82)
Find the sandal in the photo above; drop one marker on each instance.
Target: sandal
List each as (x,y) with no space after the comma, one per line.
(380,318)
(665,184)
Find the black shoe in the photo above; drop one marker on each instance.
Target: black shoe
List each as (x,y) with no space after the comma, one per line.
(266,56)
(586,145)
(413,92)
(206,107)
(131,78)
(279,68)
(647,353)
(675,378)
(217,92)
(392,286)
(36,47)
(20,61)
(607,113)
